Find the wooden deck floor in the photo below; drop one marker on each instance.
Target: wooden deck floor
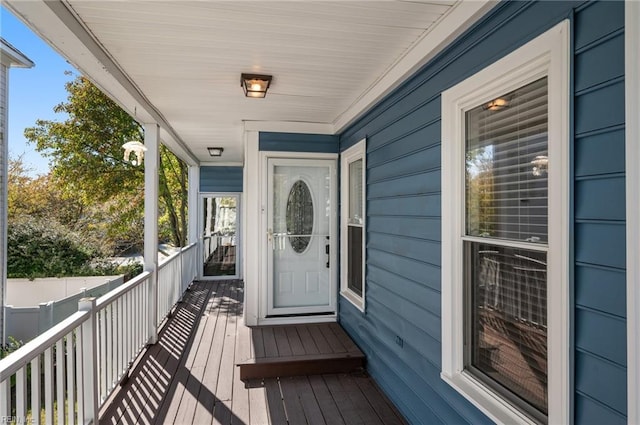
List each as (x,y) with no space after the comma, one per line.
(190,377)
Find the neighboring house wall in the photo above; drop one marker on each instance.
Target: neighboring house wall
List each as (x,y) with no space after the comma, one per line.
(4,162)
(293,142)
(220,179)
(9,57)
(401,329)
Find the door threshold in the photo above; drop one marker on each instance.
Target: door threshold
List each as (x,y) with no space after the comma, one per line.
(298,319)
(329,313)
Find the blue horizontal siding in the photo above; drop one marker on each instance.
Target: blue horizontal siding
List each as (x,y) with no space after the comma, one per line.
(600,379)
(601,288)
(220,179)
(294,142)
(592,412)
(592,159)
(403,276)
(600,240)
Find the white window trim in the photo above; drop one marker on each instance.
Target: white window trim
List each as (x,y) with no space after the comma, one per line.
(632,129)
(546,55)
(354,153)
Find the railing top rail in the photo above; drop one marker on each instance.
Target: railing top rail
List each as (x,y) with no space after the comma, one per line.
(173,256)
(189,247)
(21,357)
(169,259)
(110,297)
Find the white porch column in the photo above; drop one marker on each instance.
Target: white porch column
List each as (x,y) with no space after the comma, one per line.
(194,188)
(252,205)
(151,161)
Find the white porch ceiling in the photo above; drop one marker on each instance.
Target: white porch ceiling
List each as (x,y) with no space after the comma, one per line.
(179,62)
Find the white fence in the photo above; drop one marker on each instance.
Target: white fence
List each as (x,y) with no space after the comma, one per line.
(79,362)
(25,323)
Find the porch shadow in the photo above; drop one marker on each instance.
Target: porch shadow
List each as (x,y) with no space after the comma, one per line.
(190,377)
(162,388)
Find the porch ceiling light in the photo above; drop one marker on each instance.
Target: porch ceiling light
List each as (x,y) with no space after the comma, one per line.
(255,85)
(215,151)
(497,104)
(136,148)
(540,164)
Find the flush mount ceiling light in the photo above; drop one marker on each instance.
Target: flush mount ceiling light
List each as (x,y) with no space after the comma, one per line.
(215,151)
(137,148)
(255,85)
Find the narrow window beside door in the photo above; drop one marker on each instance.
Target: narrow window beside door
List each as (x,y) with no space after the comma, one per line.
(353,171)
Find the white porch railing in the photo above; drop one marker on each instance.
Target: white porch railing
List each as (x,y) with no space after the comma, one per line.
(78,363)
(174,275)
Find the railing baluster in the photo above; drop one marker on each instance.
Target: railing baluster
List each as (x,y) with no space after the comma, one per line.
(48,386)
(120,322)
(60,373)
(102,353)
(71,381)
(36,398)
(79,370)
(130,329)
(21,394)
(89,362)
(4,398)
(109,363)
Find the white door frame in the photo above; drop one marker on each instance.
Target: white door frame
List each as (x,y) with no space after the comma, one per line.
(202,196)
(264,247)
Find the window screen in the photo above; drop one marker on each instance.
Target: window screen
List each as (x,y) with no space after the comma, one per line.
(506,287)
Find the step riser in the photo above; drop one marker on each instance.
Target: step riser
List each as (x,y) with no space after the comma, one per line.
(300,368)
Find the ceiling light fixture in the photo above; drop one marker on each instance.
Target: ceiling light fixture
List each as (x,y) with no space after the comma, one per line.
(215,151)
(137,148)
(255,85)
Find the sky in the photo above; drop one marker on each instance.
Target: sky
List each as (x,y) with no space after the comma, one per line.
(33,92)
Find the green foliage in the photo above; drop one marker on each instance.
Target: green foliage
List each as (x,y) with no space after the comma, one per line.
(44,248)
(88,166)
(10,347)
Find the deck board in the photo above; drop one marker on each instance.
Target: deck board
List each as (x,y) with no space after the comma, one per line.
(190,377)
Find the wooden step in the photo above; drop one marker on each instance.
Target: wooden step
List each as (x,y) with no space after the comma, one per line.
(298,350)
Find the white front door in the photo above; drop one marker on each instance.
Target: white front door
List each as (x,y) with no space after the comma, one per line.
(300,237)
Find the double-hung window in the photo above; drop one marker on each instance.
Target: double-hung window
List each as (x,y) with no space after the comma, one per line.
(353,201)
(504,229)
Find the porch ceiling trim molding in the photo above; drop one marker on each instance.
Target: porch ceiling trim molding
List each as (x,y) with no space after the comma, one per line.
(75,42)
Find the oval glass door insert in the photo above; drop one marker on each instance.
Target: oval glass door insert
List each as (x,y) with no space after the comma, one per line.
(299,216)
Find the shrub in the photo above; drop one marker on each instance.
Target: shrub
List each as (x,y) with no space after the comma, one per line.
(42,248)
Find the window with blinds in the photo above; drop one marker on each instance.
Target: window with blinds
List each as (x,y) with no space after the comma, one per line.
(355,228)
(505,246)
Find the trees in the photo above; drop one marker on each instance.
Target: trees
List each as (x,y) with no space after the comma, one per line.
(88,166)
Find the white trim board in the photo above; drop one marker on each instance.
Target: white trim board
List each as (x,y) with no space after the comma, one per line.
(632,146)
